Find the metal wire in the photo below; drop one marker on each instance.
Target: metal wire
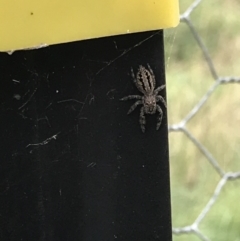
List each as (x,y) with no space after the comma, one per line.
(181,127)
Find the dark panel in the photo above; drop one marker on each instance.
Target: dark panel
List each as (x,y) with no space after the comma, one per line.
(74,165)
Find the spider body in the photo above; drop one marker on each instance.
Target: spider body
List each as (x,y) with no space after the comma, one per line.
(146,83)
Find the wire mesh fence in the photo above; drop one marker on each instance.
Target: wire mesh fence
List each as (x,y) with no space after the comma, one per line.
(225,177)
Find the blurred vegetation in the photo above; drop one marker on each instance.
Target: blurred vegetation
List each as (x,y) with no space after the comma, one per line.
(216,125)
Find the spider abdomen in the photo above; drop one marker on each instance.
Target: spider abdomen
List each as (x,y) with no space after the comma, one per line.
(145,80)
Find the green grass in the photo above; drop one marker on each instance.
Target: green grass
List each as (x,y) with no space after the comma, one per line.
(216,125)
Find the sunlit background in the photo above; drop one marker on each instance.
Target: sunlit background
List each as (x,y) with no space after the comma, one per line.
(215,126)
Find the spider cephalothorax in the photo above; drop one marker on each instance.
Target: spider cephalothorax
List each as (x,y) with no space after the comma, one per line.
(146,83)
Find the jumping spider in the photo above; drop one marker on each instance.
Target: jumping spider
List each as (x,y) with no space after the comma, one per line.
(146,83)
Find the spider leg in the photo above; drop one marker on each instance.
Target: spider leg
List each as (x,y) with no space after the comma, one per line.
(159,118)
(134,106)
(153,76)
(137,83)
(132,97)
(142,119)
(132,73)
(158,89)
(160,98)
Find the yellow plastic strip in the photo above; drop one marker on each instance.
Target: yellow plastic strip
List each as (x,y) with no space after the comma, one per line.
(31,23)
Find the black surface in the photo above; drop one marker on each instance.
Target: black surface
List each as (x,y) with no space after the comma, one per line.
(73,164)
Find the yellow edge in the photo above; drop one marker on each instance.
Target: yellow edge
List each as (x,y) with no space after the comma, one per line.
(29,24)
